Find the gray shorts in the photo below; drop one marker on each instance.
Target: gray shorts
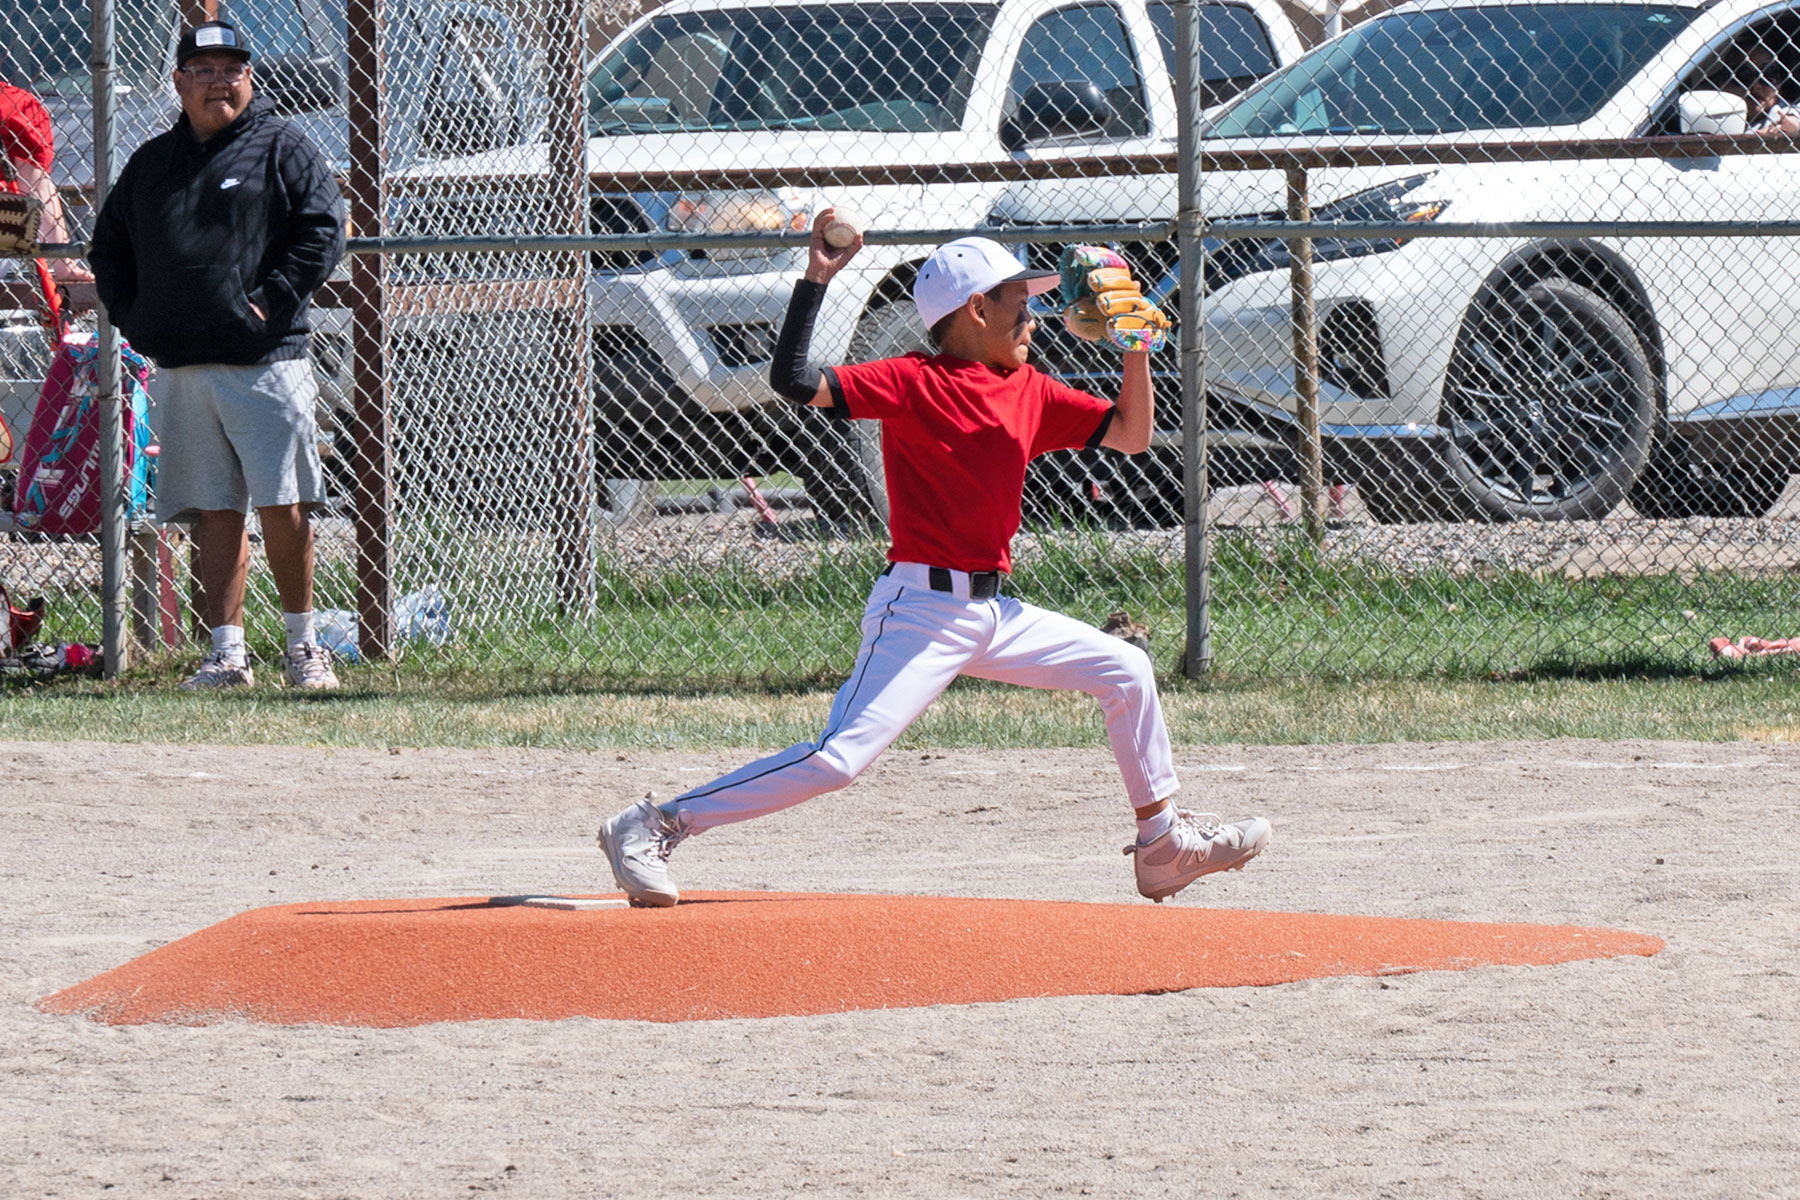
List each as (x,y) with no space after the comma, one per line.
(235,437)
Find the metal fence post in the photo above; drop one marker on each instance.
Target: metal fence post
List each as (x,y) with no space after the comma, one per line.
(575,505)
(115,646)
(1196,548)
(374,489)
(1306,361)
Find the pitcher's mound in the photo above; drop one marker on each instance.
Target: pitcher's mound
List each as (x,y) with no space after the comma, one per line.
(760,954)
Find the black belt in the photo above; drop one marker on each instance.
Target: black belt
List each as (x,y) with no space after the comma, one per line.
(983,585)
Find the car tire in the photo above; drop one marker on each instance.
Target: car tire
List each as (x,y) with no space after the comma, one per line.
(1679,484)
(840,469)
(620,396)
(1550,406)
(1059,492)
(1143,491)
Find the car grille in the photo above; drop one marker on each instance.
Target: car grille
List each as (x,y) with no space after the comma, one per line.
(743,345)
(620,341)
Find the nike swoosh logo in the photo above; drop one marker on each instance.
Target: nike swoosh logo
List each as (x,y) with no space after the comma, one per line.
(230,183)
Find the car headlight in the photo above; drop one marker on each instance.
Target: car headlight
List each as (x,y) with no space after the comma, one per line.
(735,212)
(1389,202)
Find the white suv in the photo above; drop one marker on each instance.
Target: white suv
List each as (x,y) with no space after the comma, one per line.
(683,340)
(1502,379)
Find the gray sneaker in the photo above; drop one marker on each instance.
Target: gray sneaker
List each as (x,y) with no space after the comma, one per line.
(216,672)
(1198,844)
(308,667)
(637,844)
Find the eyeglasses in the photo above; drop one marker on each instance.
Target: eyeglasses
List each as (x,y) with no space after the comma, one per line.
(232,74)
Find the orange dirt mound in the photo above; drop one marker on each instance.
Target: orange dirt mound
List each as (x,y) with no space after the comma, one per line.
(387,963)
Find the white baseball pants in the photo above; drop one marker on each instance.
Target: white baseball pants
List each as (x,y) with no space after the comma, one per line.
(914,642)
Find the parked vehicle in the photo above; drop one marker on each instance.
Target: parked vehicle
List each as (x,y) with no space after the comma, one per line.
(457,81)
(682,340)
(1527,379)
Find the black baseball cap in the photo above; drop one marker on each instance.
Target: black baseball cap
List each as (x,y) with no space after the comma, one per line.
(212,37)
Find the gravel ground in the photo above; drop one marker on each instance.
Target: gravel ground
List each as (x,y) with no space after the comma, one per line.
(1677,1075)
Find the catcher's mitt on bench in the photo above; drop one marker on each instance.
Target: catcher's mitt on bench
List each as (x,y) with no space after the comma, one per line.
(19,218)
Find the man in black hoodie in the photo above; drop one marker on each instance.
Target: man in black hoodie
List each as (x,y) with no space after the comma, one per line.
(206,255)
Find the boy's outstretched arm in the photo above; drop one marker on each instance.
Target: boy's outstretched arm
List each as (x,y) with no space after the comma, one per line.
(1135,408)
(789,372)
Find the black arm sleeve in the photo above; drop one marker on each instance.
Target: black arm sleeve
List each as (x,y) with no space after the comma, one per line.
(789,372)
(1099,434)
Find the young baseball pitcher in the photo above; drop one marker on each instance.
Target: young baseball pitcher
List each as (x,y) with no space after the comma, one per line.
(958,428)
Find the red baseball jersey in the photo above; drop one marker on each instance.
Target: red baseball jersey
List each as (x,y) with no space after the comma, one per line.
(955,438)
(25,134)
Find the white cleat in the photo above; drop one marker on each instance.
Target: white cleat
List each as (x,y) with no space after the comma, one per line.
(637,844)
(1197,844)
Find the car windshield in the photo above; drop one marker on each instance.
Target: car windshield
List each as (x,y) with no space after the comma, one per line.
(881,68)
(45,45)
(1458,69)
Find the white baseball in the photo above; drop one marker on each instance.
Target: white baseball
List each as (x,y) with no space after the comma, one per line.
(845,227)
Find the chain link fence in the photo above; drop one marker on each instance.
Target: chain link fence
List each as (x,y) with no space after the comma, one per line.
(1490,329)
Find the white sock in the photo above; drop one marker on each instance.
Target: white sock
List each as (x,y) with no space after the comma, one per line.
(228,643)
(1151,828)
(299,629)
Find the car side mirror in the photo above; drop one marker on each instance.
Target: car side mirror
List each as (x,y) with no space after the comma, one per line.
(295,84)
(1060,109)
(1713,112)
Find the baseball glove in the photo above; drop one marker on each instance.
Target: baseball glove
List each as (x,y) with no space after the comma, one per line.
(1102,302)
(19,216)
(1121,626)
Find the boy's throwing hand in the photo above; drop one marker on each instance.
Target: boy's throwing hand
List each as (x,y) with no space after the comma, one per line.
(823,261)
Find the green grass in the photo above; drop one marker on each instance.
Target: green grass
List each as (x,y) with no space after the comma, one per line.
(1305,648)
(417,707)
(1278,610)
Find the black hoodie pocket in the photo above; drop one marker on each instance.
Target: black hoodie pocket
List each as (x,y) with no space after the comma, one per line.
(199,312)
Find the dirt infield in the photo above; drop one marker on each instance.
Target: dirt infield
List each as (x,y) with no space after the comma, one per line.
(1668,1075)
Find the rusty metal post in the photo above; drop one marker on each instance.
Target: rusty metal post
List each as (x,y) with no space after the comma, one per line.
(1306,361)
(574,507)
(1196,660)
(374,493)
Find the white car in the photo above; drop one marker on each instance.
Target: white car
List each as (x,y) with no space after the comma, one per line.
(682,341)
(1496,379)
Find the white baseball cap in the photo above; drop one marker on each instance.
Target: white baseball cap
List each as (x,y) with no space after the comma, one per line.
(967,267)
